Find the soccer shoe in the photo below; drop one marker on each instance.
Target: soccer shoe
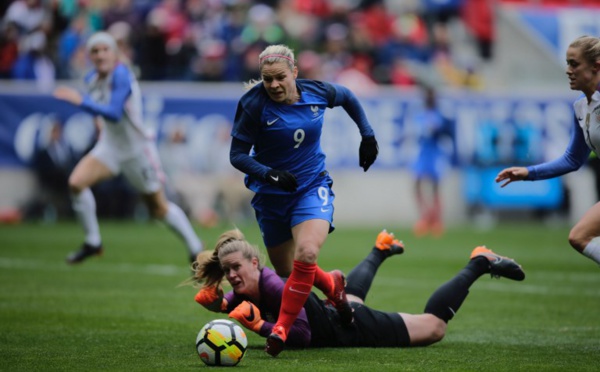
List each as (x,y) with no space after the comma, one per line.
(339,299)
(83,253)
(500,266)
(386,242)
(275,341)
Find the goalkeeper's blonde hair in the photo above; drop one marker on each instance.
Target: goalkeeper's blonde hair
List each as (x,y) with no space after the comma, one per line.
(207,268)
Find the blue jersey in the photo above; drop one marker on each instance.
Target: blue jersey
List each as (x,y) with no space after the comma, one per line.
(431,127)
(288,137)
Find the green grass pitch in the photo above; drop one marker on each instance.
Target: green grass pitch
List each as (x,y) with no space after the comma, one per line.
(125,310)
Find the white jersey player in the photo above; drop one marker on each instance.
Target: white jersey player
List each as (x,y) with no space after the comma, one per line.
(124,146)
(583,71)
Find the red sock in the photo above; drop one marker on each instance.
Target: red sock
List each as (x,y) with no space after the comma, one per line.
(295,292)
(323,281)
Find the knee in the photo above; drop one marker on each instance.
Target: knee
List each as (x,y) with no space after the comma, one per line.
(75,187)
(433,332)
(307,252)
(438,331)
(577,240)
(157,209)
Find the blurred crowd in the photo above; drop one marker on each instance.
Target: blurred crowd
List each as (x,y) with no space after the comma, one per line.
(359,43)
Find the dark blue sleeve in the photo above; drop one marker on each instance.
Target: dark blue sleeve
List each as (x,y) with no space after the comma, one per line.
(239,156)
(245,126)
(348,101)
(575,156)
(120,90)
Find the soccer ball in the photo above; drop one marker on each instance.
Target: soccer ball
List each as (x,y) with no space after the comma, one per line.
(221,342)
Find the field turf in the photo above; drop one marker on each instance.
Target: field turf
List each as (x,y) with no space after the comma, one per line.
(126,310)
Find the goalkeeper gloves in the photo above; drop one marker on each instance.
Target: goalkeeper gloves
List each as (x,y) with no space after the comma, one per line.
(248,315)
(367,153)
(211,298)
(282,179)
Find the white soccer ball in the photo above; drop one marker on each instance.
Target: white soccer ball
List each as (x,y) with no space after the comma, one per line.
(221,342)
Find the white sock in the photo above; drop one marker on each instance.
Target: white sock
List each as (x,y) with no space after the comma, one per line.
(592,250)
(178,221)
(84,206)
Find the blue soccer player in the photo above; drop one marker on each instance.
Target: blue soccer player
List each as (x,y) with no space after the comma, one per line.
(125,146)
(276,143)
(428,167)
(257,294)
(583,71)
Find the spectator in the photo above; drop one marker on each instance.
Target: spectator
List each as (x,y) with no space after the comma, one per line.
(9,49)
(53,161)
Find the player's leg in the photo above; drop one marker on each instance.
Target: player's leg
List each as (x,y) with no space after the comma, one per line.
(317,204)
(361,277)
(145,175)
(447,299)
(585,235)
(174,217)
(421,227)
(437,225)
(309,236)
(281,257)
(424,329)
(89,171)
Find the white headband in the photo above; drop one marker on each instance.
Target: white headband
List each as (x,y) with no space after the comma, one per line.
(101,38)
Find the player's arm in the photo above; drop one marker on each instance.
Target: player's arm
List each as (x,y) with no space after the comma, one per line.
(369,149)
(348,101)
(575,156)
(241,160)
(239,156)
(120,91)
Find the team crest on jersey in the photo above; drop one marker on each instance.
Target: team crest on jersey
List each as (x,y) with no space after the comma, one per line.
(315,110)
(596,113)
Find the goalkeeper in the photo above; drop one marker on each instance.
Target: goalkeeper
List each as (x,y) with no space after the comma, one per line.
(257,290)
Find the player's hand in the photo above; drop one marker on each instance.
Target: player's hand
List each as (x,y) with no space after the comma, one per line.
(248,315)
(68,94)
(282,179)
(512,174)
(367,153)
(211,298)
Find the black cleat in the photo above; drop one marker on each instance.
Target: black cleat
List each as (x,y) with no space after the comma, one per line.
(500,266)
(83,253)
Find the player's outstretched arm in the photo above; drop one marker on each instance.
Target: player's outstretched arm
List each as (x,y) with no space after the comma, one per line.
(70,95)
(512,174)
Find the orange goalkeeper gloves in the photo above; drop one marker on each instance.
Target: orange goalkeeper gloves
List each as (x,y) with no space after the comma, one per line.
(248,315)
(212,298)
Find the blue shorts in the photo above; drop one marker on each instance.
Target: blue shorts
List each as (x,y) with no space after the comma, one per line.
(277,214)
(428,165)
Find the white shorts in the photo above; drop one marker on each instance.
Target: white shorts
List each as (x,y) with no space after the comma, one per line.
(143,171)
